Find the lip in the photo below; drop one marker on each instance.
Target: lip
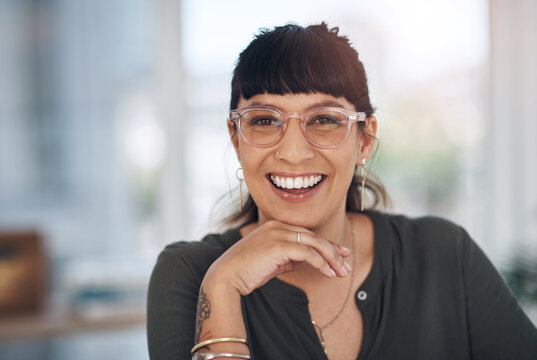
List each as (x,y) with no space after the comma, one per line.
(290,174)
(299,196)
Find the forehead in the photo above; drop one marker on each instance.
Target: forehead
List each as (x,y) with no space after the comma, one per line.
(296,102)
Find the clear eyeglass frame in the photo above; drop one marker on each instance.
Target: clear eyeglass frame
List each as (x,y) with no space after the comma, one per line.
(352,117)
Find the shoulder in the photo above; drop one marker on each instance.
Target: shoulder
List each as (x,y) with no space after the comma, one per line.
(194,257)
(428,237)
(425,228)
(424,225)
(173,292)
(210,244)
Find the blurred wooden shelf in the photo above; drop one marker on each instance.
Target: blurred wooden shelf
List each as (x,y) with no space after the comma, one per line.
(57,323)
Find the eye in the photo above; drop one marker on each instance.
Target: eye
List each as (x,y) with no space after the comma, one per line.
(264,120)
(325,120)
(261,119)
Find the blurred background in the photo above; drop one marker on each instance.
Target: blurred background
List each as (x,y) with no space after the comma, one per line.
(113,143)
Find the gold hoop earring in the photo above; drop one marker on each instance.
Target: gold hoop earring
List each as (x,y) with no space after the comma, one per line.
(241,180)
(362,190)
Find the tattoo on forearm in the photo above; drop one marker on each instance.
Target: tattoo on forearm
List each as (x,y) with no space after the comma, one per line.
(203,313)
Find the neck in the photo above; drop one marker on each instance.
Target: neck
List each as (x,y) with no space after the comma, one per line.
(336,229)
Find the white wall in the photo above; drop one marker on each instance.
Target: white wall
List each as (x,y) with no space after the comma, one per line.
(512,139)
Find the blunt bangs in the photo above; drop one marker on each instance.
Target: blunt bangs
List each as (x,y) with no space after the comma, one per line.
(291,60)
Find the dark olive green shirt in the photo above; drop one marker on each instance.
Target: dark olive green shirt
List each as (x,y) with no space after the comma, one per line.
(431,294)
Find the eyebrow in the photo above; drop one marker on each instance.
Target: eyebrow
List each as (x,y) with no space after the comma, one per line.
(327,103)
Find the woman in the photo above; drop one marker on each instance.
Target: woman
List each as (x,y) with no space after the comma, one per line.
(307,273)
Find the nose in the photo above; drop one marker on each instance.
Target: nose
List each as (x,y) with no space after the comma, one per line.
(293,147)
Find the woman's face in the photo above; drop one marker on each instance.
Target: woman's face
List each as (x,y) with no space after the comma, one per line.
(295,161)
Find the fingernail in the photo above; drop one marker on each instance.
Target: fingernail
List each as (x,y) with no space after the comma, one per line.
(345,249)
(344,269)
(347,266)
(332,272)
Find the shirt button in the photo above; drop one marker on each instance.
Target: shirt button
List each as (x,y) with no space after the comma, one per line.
(362,295)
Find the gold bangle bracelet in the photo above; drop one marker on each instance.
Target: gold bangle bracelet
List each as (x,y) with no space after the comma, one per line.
(218,340)
(209,356)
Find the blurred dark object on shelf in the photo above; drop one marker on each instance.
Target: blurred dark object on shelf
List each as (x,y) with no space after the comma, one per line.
(23,272)
(521,275)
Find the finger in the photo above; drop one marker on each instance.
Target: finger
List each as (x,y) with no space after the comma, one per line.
(307,254)
(298,229)
(328,250)
(333,253)
(344,251)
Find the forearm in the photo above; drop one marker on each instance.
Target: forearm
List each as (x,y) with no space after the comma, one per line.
(269,250)
(219,315)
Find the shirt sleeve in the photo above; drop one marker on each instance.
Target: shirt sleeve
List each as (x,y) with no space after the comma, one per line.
(171,307)
(497,325)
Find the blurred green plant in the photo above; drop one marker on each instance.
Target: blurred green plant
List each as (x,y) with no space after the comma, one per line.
(521,276)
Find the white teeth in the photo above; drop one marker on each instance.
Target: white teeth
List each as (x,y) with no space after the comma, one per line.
(299,182)
(289,183)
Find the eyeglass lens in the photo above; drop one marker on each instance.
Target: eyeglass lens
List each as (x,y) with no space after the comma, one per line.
(322,127)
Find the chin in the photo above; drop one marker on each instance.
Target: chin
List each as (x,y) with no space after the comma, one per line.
(303,219)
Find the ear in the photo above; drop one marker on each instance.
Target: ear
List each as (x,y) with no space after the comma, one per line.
(234,135)
(367,140)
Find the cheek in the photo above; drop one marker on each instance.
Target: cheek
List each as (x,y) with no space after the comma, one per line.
(344,168)
(248,154)
(251,161)
(243,152)
(347,157)
(347,171)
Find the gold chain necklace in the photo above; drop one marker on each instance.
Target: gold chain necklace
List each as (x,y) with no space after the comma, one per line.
(324,327)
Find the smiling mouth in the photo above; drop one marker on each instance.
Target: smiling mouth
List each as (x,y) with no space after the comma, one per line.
(296,184)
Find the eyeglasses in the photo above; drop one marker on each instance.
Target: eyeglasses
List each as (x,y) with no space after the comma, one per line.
(324,127)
